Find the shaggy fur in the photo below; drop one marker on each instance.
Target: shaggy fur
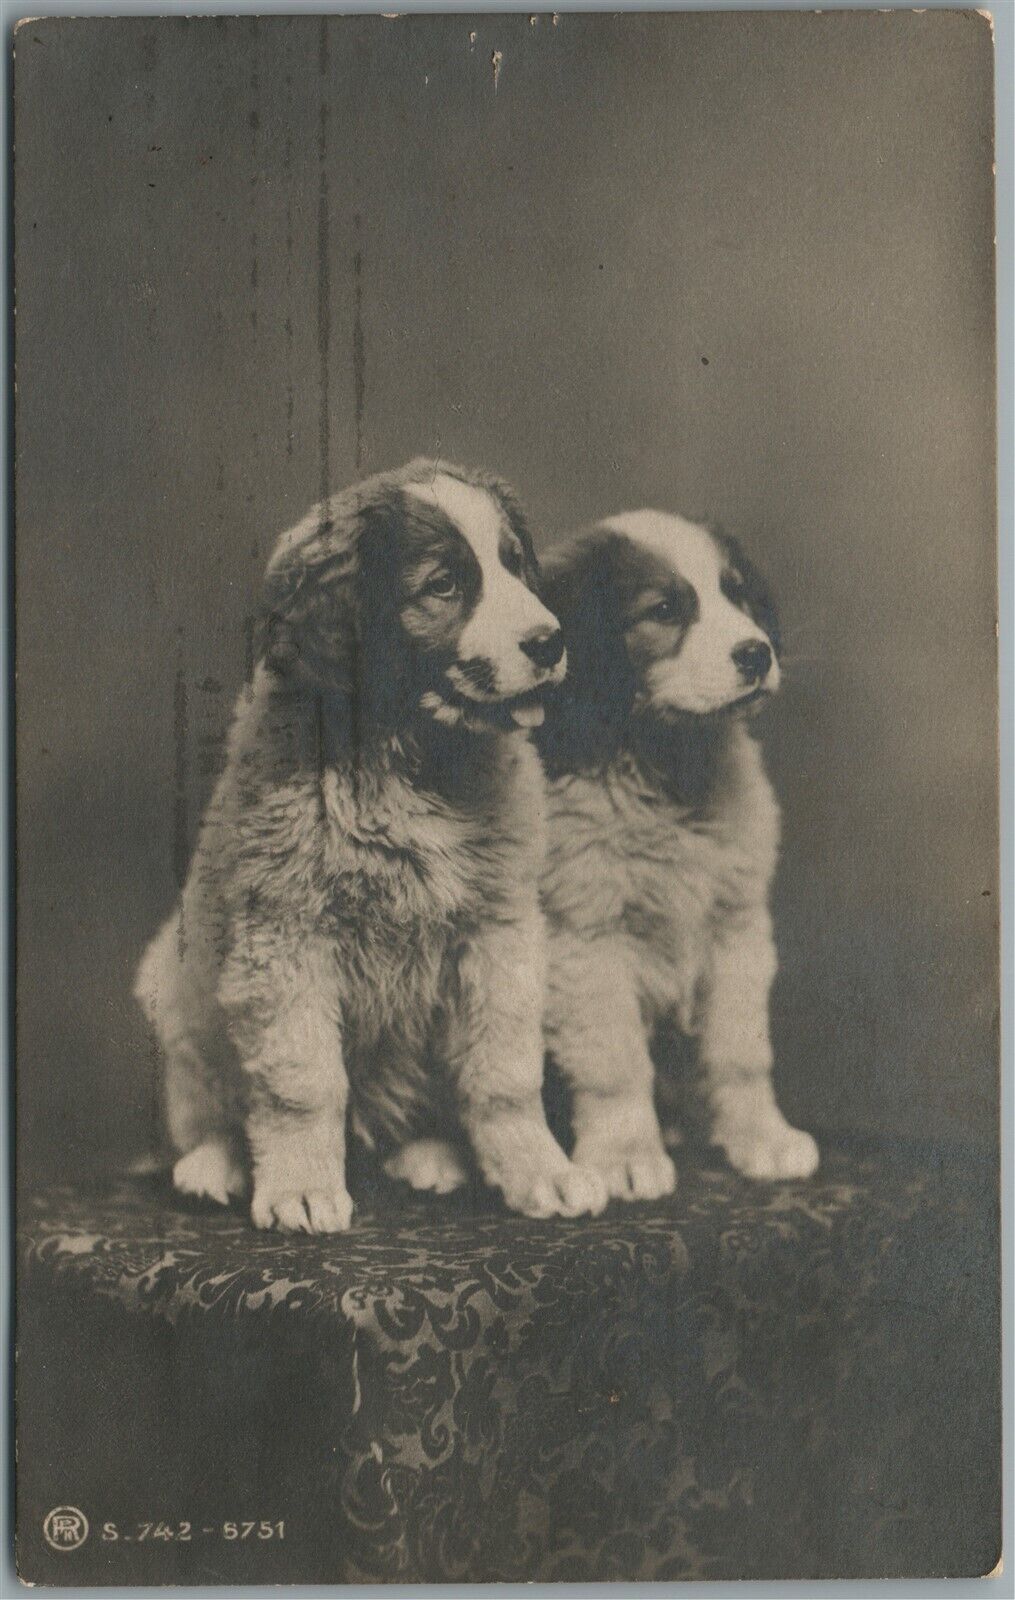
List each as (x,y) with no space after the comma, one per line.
(360,923)
(663,839)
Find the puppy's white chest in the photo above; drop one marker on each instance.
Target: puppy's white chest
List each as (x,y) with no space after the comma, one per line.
(667,915)
(627,870)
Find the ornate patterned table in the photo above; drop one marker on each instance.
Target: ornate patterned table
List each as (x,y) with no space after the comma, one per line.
(791,1381)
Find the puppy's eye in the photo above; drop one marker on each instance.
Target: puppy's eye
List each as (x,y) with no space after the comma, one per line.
(661,611)
(442,586)
(512,560)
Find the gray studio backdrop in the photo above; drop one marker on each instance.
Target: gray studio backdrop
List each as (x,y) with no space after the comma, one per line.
(739,266)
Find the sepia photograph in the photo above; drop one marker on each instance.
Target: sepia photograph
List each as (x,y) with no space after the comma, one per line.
(507,895)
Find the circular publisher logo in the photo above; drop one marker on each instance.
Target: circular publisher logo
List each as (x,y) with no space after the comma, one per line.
(65,1528)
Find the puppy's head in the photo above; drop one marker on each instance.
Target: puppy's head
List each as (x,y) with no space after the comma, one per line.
(417,590)
(661,618)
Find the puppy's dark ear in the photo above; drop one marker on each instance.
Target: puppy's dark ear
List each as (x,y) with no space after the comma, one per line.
(309,610)
(757,598)
(587,715)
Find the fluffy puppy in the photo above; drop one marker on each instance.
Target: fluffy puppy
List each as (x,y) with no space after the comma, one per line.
(663,839)
(361,916)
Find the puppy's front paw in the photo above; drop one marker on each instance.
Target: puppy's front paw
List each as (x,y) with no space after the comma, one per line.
(518,1155)
(634,1172)
(772,1151)
(324,1209)
(429,1164)
(211,1171)
(568,1191)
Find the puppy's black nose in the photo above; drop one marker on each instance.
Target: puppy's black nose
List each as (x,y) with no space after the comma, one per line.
(544,647)
(753,659)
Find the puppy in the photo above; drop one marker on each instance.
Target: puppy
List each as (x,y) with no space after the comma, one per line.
(361,916)
(663,838)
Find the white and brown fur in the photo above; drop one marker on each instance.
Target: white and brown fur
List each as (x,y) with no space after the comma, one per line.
(664,832)
(360,929)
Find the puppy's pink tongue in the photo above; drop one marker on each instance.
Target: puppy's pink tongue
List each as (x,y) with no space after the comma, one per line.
(528,716)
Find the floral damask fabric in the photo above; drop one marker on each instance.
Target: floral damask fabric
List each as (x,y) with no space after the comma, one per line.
(794,1380)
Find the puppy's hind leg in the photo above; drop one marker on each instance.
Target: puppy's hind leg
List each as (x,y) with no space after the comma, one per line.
(211,1171)
(210,1155)
(434,1164)
(211,1164)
